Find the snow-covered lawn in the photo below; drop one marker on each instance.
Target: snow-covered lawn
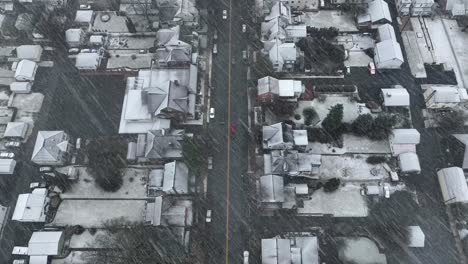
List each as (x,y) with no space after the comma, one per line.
(351,168)
(330,18)
(360,250)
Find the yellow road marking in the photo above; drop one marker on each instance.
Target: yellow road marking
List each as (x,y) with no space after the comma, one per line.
(228,171)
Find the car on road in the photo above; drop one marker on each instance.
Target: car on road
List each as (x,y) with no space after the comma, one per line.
(244,55)
(224,14)
(7,155)
(210,163)
(244,28)
(78,143)
(233,128)
(215,36)
(12,144)
(371,68)
(386,189)
(212,113)
(246,257)
(208,216)
(46,169)
(348,70)
(215,48)
(34,185)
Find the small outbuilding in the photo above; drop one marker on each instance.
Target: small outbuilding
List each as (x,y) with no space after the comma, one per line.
(87,61)
(7,166)
(26,70)
(396,97)
(16,130)
(453,185)
(21,87)
(409,163)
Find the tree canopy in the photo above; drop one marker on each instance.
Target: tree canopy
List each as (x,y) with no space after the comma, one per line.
(195,154)
(334,120)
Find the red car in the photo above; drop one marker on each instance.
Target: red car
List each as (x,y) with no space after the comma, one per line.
(233,128)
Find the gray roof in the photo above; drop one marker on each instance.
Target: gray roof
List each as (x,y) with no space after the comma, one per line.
(167,36)
(50,147)
(463,138)
(378,10)
(276,251)
(45,243)
(297,249)
(161,144)
(405,136)
(453,185)
(176,178)
(409,162)
(268,84)
(16,129)
(169,211)
(272,189)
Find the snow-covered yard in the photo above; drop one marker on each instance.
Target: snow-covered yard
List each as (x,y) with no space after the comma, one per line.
(330,18)
(351,168)
(360,250)
(347,201)
(351,144)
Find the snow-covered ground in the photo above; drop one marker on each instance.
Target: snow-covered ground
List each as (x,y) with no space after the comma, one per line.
(360,250)
(351,144)
(347,201)
(330,18)
(351,168)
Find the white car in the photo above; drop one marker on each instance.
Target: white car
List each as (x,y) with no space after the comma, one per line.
(12,144)
(386,189)
(215,36)
(246,257)
(212,113)
(215,49)
(208,216)
(244,28)
(7,155)
(224,14)
(371,68)
(210,163)
(46,169)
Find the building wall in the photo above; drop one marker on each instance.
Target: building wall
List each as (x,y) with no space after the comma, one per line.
(339,2)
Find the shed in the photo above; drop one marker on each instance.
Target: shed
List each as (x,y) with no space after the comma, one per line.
(453,185)
(409,162)
(30,206)
(416,236)
(21,87)
(7,166)
(397,97)
(405,136)
(16,130)
(84,16)
(87,61)
(38,259)
(45,243)
(26,70)
(388,55)
(29,52)
(300,137)
(373,190)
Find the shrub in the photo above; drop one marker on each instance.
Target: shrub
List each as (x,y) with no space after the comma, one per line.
(316,134)
(309,114)
(297,116)
(382,127)
(376,159)
(363,125)
(332,185)
(334,119)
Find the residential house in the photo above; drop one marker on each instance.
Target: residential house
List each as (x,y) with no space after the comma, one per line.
(88,61)
(169,211)
(455,7)
(404,140)
(75,37)
(409,163)
(32,207)
(42,245)
(174,179)
(263,7)
(270,90)
(163,144)
(415,7)
(7,166)
(16,130)
(285,56)
(443,96)
(395,97)
(295,248)
(29,52)
(26,70)
(292,163)
(377,13)
(387,51)
(453,185)
(274,194)
(51,148)
(84,19)
(404,7)
(278,136)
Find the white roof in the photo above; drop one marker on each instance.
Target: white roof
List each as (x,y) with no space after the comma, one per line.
(49,147)
(287,88)
(300,137)
(396,97)
(405,136)
(453,185)
(73,34)
(388,50)
(268,84)
(38,259)
(87,61)
(95,39)
(84,16)
(416,236)
(445,94)
(378,10)
(176,177)
(29,52)
(7,166)
(386,31)
(26,70)
(44,243)
(409,162)
(30,206)
(21,87)
(272,189)
(16,129)
(276,251)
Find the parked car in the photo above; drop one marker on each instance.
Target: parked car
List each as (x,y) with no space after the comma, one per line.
(208,216)
(46,169)
(371,68)
(212,112)
(386,189)
(246,257)
(244,28)
(78,143)
(215,49)
(13,144)
(35,185)
(215,36)
(244,55)
(7,155)
(210,163)
(224,14)
(348,70)
(233,128)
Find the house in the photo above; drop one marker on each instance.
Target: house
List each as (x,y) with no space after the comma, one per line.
(395,97)
(16,130)
(388,55)
(21,87)
(293,249)
(87,61)
(163,144)
(270,89)
(459,151)
(416,237)
(29,52)
(32,207)
(84,18)
(173,179)
(453,185)
(377,13)
(7,166)
(414,7)
(385,32)
(51,148)
(455,7)
(74,37)
(278,136)
(409,163)
(26,70)
(284,56)
(169,212)
(272,189)
(443,96)
(404,140)
(45,243)
(291,163)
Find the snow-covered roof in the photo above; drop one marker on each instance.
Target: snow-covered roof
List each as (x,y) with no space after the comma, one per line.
(21,87)
(87,61)
(50,147)
(453,185)
(38,259)
(396,97)
(446,94)
(45,243)
(388,50)
(287,88)
(276,250)
(26,70)
(7,166)
(29,52)
(378,10)
(281,52)
(300,137)
(16,129)
(84,16)
(386,32)
(300,249)
(74,35)
(279,9)
(405,136)
(30,206)
(268,84)
(273,135)
(272,189)
(409,162)
(176,178)
(416,236)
